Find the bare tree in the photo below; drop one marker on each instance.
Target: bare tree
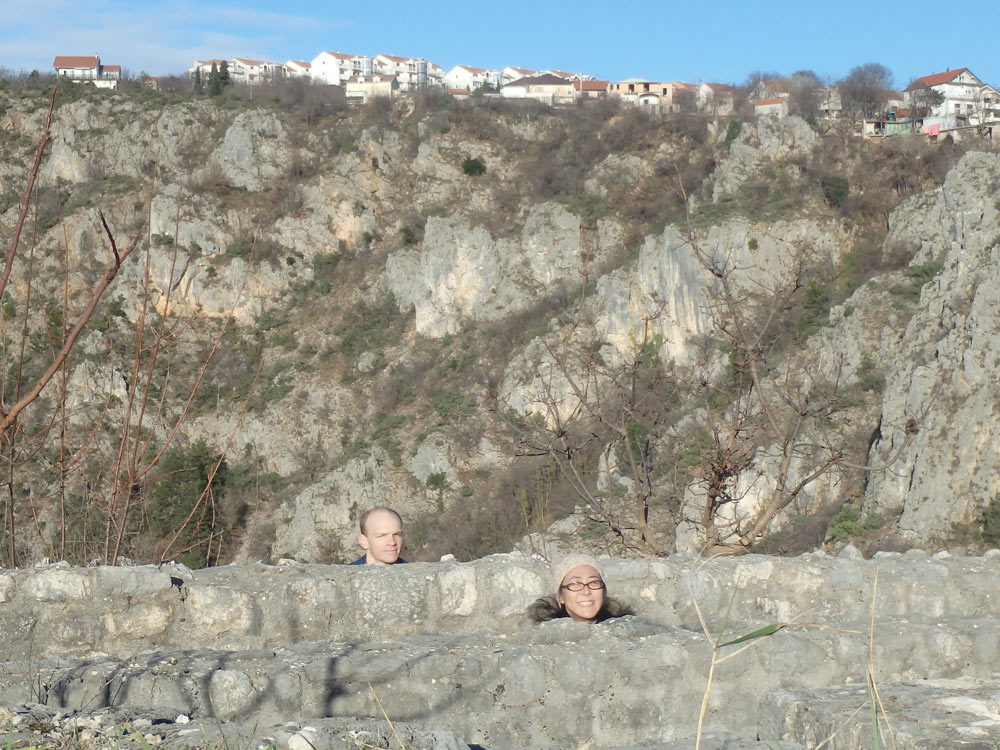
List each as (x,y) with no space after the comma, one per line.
(104,457)
(13,405)
(802,98)
(865,90)
(603,418)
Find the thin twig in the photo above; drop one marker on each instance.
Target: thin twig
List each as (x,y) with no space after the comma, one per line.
(387,719)
(871,662)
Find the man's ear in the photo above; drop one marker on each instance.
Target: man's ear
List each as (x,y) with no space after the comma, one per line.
(363,542)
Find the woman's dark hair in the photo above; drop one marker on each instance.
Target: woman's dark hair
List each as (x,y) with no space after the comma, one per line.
(548,608)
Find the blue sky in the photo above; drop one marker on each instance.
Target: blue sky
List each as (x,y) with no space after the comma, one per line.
(655,39)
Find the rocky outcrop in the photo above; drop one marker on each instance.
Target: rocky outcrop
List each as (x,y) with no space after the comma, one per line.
(253,151)
(760,142)
(462,273)
(939,414)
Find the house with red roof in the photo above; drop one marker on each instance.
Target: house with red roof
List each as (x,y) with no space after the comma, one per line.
(467,78)
(297,68)
(253,72)
(89,70)
(411,73)
(591,89)
(335,68)
(965,100)
(204,67)
(772,106)
(570,76)
(510,74)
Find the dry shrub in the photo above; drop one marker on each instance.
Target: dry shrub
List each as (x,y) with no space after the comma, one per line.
(526,498)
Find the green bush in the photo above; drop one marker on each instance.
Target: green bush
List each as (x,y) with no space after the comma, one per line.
(846,524)
(835,189)
(815,308)
(370,326)
(437,481)
(449,404)
(733,131)
(473,167)
(918,276)
(870,377)
(409,235)
(185,487)
(990,519)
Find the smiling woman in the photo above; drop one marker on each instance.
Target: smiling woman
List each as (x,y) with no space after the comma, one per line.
(581,594)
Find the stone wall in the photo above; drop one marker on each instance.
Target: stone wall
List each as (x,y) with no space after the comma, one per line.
(446,646)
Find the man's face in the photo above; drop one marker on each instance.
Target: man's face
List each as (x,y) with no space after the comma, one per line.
(382,539)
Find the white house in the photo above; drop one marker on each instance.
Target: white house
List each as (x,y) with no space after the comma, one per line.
(297,69)
(468,78)
(773,106)
(204,67)
(366,88)
(335,68)
(714,98)
(544,88)
(88,70)
(569,76)
(253,72)
(511,74)
(411,73)
(966,99)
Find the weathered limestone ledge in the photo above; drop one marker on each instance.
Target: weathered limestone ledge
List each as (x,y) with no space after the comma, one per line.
(59,610)
(445,647)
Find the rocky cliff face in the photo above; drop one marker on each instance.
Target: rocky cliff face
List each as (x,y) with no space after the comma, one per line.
(943,378)
(394,315)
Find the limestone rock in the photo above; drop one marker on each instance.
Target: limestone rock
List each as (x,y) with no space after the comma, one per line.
(253,150)
(939,413)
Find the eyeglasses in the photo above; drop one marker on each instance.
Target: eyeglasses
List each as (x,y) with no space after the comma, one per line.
(594,585)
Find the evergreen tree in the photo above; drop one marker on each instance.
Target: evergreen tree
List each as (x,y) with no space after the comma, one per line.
(215,81)
(224,73)
(199,85)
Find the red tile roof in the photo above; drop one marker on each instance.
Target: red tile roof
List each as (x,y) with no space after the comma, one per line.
(246,61)
(936,78)
(590,85)
(473,70)
(112,68)
(772,100)
(395,58)
(76,62)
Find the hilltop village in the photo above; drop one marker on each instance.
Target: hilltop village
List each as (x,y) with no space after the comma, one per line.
(954,101)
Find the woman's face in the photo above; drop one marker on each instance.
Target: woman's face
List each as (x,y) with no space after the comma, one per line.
(582,605)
